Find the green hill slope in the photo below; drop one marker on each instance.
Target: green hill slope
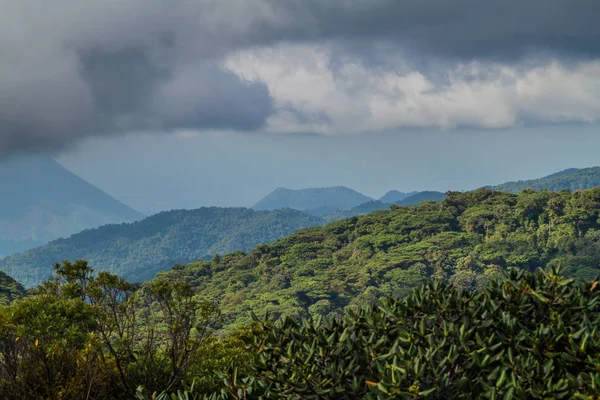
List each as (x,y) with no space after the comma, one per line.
(570,179)
(464,239)
(138,250)
(10,289)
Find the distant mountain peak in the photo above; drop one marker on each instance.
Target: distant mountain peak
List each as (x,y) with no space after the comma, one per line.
(41,200)
(419,197)
(394,196)
(335,197)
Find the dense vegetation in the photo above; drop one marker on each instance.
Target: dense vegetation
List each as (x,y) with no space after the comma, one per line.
(520,335)
(10,290)
(413,302)
(570,179)
(531,336)
(464,239)
(81,336)
(138,250)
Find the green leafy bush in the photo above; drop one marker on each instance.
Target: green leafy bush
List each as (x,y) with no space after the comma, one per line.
(524,336)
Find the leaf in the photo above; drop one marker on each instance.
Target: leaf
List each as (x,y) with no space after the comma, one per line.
(427,392)
(382,387)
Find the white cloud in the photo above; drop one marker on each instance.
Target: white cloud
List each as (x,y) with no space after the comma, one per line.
(314,94)
(71,69)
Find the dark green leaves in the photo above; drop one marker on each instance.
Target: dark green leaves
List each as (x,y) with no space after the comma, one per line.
(524,336)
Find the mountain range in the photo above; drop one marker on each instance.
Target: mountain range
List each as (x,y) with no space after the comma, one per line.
(464,239)
(42,201)
(140,249)
(570,179)
(394,196)
(330,201)
(314,200)
(334,202)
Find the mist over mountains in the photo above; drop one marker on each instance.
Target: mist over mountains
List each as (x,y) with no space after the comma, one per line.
(321,200)
(42,201)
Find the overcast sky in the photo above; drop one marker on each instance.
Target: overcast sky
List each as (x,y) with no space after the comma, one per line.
(180,103)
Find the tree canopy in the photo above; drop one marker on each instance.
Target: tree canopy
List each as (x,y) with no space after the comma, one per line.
(465,239)
(138,250)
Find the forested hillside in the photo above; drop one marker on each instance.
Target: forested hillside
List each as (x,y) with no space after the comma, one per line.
(138,250)
(519,335)
(464,239)
(10,289)
(460,322)
(570,179)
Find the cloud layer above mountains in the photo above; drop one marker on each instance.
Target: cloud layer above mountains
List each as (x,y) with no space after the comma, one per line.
(71,69)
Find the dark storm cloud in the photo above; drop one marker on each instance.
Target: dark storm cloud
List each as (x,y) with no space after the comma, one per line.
(502,29)
(72,68)
(75,70)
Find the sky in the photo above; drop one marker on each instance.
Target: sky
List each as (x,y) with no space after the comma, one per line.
(157,172)
(183,103)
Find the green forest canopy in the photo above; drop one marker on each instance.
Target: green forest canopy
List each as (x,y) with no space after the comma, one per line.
(457,324)
(464,239)
(520,336)
(10,290)
(138,250)
(523,336)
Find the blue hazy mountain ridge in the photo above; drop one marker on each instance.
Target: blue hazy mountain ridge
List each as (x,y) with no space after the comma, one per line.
(375,205)
(361,209)
(394,196)
(329,198)
(41,201)
(570,179)
(137,251)
(420,197)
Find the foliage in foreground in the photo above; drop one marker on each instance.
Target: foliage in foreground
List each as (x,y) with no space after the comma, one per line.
(99,337)
(526,336)
(520,336)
